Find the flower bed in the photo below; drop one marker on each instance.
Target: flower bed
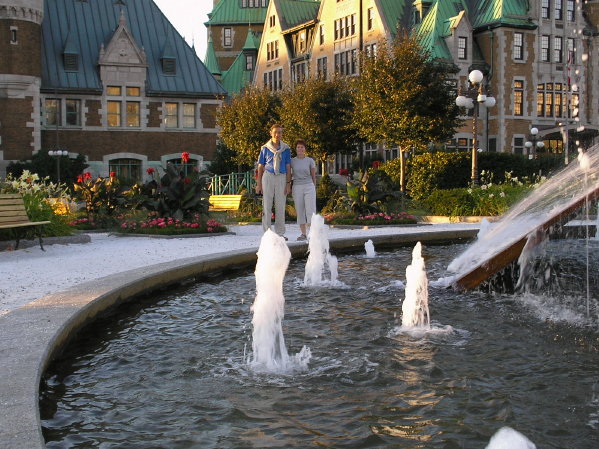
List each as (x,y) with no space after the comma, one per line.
(380,218)
(172,226)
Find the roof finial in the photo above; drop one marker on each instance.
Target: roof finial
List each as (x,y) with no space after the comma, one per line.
(122,19)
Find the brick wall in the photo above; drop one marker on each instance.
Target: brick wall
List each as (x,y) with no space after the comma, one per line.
(24,57)
(17,137)
(154,114)
(96,144)
(208,115)
(92,116)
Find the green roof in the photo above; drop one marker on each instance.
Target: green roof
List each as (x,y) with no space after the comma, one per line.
(210,60)
(484,13)
(396,12)
(236,78)
(230,12)
(296,12)
(436,25)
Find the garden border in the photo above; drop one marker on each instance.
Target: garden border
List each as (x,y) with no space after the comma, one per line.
(35,334)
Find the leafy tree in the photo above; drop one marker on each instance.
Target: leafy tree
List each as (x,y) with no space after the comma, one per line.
(320,112)
(224,161)
(402,97)
(245,122)
(45,165)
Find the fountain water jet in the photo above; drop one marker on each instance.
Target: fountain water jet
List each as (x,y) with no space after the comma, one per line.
(268,343)
(508,438)
(318,254)
(369,248)
(415,305)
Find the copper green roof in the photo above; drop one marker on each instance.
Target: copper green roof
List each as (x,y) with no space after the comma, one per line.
(296,12)
(210,60)
(484,13)
(436,26)
(252,42)
(396,13)
(230,12)
(236,78)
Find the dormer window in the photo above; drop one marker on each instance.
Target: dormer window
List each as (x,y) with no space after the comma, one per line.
(71,62)
(249,63)
(169,66)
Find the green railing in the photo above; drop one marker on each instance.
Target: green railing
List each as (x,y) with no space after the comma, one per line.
(232,183)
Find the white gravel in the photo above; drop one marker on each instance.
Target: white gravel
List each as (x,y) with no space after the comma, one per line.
(29,274)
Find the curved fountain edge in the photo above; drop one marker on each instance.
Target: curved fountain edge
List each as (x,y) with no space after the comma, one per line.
(33,335)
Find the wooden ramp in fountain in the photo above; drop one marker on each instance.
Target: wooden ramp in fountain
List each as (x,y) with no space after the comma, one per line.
(497,262)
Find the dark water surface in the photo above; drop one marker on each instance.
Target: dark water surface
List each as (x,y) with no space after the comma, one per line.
(170,372)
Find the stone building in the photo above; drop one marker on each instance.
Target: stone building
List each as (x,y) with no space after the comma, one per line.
(109,79)
(539,57)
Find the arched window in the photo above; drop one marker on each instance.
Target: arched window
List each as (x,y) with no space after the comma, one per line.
(127,170)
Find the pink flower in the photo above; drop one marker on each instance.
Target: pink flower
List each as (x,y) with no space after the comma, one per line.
(209,229)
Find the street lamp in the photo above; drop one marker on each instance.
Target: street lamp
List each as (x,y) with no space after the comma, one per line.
(533,144)
(58,154)
(472,96)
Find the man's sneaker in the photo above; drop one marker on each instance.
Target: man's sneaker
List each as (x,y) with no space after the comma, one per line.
(302,237)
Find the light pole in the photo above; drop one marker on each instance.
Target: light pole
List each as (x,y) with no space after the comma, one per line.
(472,96)
(58,154)
(533,143)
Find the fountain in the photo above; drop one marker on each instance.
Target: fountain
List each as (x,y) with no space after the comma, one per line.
(508,438)
(369,248)
(268,344)
(415,305)
(318,254)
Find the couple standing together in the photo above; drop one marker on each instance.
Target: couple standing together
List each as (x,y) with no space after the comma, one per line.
(279,175)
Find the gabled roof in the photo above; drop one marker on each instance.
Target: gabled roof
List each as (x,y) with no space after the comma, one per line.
(230,12)
(437,25)
(396,13)
(92,24)
(515,13)
(297,12)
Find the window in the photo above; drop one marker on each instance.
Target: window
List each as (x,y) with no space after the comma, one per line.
(345,62)
(518,46)
(227,37)
(570,15)
(249,63)
(171,116)
(370,50)
(73,112)
(559,12)
(133,116)
(189,115)
(345,27)
(133,91)
(540,102)
(545,48)
(545,9)
(321,68)
(571,51)
(558,99)
(518,145)
(71,62)
(273,80)
(272,21)
(558,55)
(370,19)
(518,97)
(114,91)
(321,34)
(169,66)
(353,24)
(13,35)
(462,47)
(186,167)
(52,112)
(298,72)
(114,113)
(549,100)
(126,169)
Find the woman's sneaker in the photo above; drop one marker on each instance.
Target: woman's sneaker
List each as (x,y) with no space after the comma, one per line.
(302,237)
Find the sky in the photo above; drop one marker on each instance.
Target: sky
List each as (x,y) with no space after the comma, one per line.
(188,17)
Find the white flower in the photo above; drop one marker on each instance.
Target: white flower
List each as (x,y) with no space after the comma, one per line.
(491,195)
(484,187)
(502,194)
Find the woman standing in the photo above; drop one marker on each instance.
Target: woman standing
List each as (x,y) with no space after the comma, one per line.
(303,170)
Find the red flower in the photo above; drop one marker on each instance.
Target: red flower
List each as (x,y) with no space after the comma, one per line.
(344,171)
(113,174)
(80,178)
(87,175)
(150,171)
(185,157)
(376,164)
(186,180)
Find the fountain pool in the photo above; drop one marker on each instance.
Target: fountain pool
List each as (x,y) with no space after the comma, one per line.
(171,371)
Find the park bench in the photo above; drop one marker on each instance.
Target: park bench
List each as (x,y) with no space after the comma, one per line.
(13,216)
(224,202)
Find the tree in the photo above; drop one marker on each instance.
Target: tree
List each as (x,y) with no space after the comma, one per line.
(45,165)
(224,161)
(320,112)
(245,122)
(402,97)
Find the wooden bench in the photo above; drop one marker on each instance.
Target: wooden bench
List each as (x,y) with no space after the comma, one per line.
(13,216)
(224,202)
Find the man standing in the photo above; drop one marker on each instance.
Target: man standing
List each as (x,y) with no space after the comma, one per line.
(274,179)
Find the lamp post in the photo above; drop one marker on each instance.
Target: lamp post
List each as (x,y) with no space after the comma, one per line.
(533,143)
(58,154)
(472,96)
